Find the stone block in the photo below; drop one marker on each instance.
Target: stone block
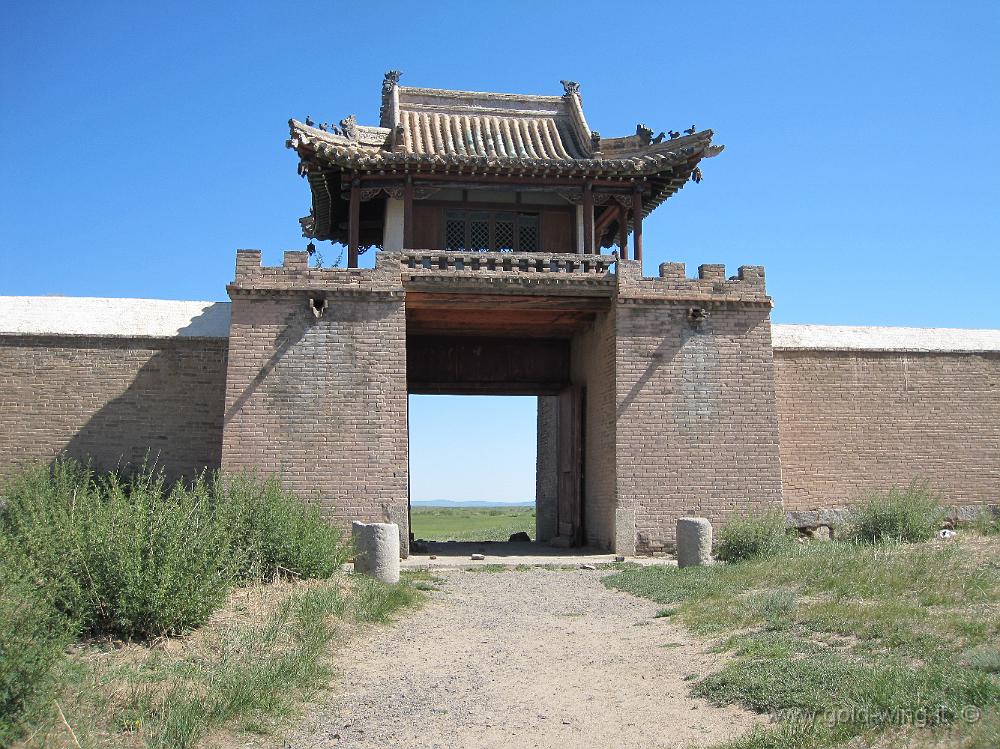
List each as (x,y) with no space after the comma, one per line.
(694,542)
(376,548)
(625,531)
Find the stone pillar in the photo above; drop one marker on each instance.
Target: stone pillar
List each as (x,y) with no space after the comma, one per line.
(376,550)
(694,542)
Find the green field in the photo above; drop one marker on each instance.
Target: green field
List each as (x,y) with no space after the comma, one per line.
(471,523)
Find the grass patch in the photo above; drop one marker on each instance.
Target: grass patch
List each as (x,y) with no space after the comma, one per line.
(847,641)
(752,537)
(471,523)
(904,515)
(247,670)
(128,559)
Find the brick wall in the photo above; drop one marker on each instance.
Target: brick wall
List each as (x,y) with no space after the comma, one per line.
(851,421)
(592,365)
(112,399)
(696,423)
(321,401)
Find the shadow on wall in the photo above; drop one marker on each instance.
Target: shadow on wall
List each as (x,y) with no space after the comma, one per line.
(170,411)
(686,334)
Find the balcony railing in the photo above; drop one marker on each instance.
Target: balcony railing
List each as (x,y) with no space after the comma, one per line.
(437,261)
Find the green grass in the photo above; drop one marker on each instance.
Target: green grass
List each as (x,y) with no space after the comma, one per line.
(471,523)
(247,672)
(128,559)
(847,641)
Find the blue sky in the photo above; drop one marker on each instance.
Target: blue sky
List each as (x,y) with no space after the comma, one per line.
(141,144)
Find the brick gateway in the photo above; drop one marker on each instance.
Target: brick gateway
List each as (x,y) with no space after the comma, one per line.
(658,396)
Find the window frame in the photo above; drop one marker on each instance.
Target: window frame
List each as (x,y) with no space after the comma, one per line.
(493,214)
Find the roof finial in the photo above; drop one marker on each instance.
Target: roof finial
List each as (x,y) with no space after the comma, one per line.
(391,79)
(571,87)
(644,134)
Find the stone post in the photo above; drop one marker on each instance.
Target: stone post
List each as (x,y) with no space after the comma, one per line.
(376,550)
(694,542)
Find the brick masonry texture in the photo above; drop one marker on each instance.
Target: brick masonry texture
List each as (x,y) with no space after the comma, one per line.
(321,402)
(685,399)
(696,425)
(112,400)
(854,421)
(592,366)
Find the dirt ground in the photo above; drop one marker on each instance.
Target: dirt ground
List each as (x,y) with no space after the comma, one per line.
(542,658)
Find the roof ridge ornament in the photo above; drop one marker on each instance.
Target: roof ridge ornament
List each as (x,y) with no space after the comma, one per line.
(570,87)
(388,113)
(349,127)
(390,80)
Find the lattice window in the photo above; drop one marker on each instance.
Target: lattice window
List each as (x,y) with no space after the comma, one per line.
(501,231)
(479,231)
(504,234)
(527,232)
(454,238)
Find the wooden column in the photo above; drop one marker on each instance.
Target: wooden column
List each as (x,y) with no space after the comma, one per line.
(637,221)
(588,218)
(354,223)
(623,231)
(408,214)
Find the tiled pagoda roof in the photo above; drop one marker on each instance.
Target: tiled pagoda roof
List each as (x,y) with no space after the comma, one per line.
(428,129)
(424,130)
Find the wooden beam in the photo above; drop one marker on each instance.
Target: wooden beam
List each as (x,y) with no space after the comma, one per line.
(637,222)
(490,182)
(354,223)
(623,231)
(408,214)
(503,302)
(588,218)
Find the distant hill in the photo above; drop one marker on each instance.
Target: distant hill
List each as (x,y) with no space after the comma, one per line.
(468,503)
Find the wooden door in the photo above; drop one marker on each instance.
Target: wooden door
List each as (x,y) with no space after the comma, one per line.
(569,466)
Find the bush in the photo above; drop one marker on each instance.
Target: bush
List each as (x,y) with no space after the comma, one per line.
(133,556)
(987,522)
(272,532)
(122,556)
(33,636)
(753,537)
(908,515)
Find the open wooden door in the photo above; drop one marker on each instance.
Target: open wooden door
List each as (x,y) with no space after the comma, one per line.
(569,464)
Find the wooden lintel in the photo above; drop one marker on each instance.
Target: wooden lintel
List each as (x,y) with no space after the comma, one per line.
(499,302)
(484,388)
(487,182)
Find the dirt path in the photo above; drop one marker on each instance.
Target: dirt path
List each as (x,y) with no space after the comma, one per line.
(523,659)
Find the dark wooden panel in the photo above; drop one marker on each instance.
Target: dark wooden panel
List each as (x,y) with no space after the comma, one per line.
(569,459)
(557,231)
(450,364)
(500,302)
(428,234)
(496,323)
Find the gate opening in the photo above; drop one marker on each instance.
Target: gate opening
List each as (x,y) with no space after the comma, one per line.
(473,468)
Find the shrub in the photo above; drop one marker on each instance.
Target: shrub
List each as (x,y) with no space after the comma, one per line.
(135,557)
(908,515)
(33,636)
(272,532)
(752,537)
(987,522)
(124,556)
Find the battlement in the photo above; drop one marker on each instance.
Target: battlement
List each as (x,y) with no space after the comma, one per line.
(711,285)
(295,275)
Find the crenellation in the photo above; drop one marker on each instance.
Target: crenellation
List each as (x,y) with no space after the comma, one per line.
(711,286)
